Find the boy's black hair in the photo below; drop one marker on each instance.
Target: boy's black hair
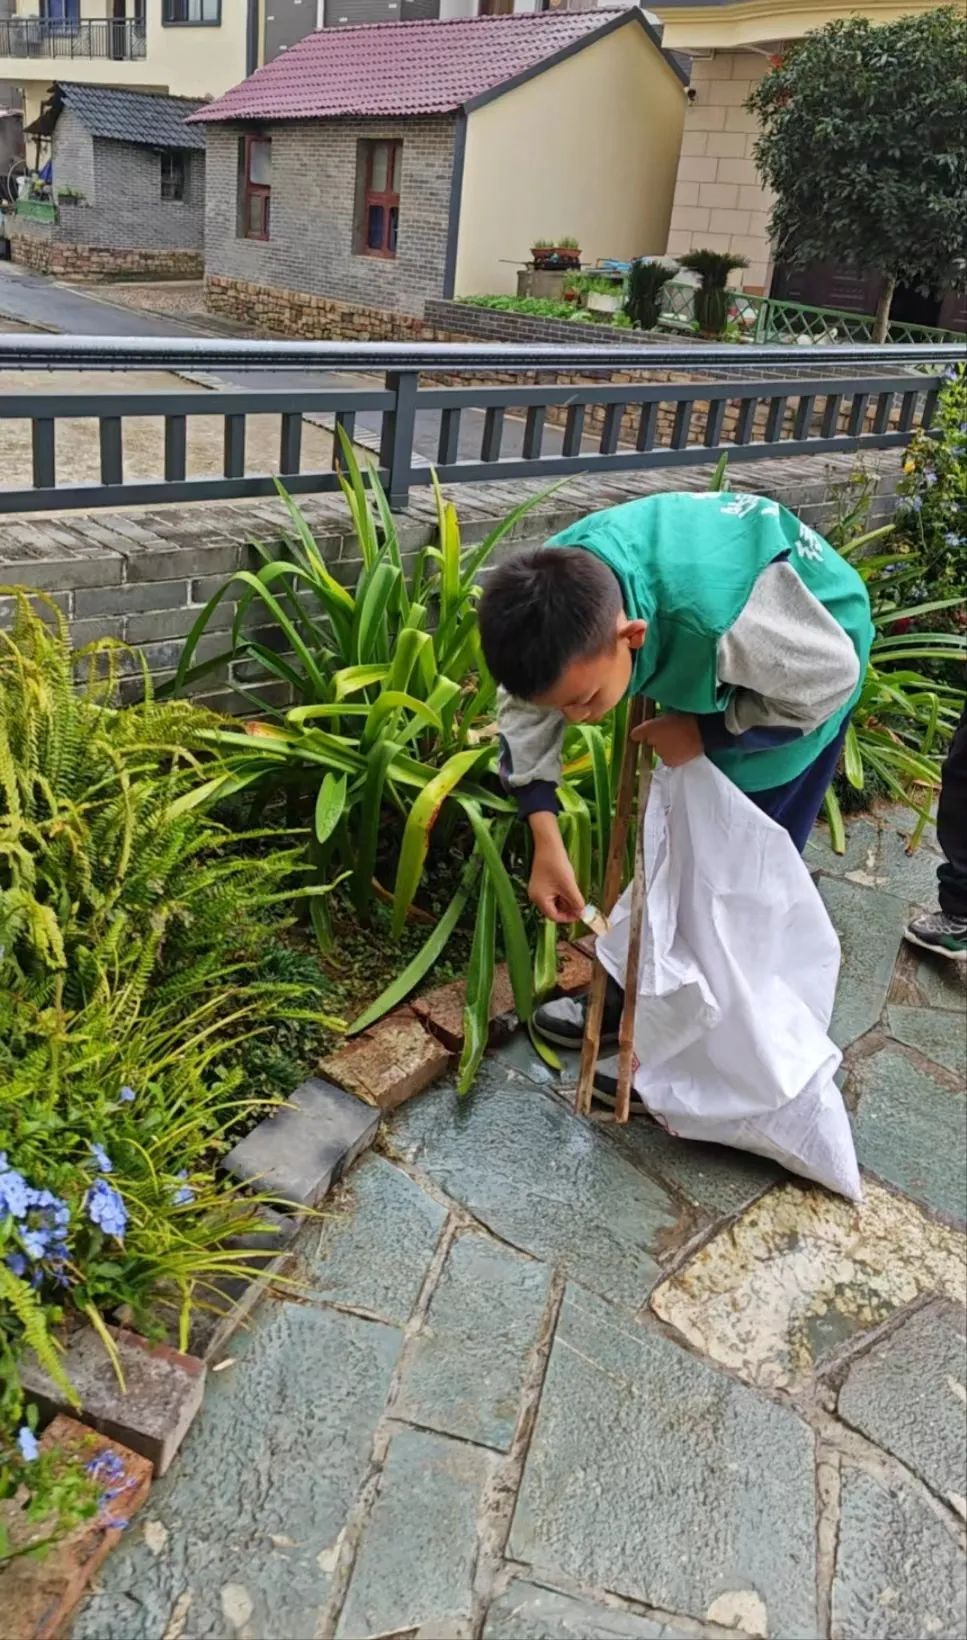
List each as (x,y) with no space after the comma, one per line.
(542,610)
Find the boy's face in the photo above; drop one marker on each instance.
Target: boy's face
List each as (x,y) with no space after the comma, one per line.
(587,690)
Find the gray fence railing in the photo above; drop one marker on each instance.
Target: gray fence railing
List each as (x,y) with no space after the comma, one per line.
(105,37)
(430,406)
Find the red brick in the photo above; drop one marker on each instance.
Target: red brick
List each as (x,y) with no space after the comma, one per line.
(155,1410)
(441,1010)
(389,1064)
(38,1596)
(574,969)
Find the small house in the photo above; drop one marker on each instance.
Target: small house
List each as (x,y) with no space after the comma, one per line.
(370,169)
(127,191)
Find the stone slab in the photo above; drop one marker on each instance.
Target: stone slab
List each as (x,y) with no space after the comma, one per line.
(876,856)
(154,1411)
(912,1129)
(519,1054)
(37,1596)
(544,1180)
(899,1570)
(801,1273)
(656,1477)
(526,1611)
(870,926)
(416,1559)
(297,1154)
(909,1396)
(391,1063)
(373,1250)
(941,1036)
(943,984)
(466,1370)
(714,1179)
(242,1535)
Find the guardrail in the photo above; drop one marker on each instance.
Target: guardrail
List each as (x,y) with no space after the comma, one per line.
(764,319)
(117,41)
(469,429)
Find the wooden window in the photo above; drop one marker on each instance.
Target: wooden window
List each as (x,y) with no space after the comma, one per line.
(380,214)
(191,13)
(495,8)
(173,174)
(255,194)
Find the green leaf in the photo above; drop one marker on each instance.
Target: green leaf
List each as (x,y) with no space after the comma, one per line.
(853,759)
(419,824)
(480,985)
(330,806)
(417,969)
(834,814)
(515,938)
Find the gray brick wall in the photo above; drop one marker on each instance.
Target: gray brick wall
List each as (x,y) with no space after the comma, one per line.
(145,576)
(313,211)
(127,211)
(73,156)
(497,325)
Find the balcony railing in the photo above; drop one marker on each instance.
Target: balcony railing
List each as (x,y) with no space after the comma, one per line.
(668,407)
(45,37)
(769,319)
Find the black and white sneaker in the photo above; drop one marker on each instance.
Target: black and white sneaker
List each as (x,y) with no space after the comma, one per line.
(606,1085)
(935,931)
(562,1022)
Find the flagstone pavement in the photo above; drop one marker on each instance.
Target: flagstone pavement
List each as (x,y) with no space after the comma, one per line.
(546,1378)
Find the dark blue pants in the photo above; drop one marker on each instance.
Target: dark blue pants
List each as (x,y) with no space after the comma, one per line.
(796,805)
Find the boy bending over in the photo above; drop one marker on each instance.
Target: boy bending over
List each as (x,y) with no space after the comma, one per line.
(749,629)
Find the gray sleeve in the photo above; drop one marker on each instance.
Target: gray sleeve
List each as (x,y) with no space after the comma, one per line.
(532,738)
(790,664)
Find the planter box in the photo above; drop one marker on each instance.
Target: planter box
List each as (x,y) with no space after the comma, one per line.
(597,302)
(37,210)
(549,285)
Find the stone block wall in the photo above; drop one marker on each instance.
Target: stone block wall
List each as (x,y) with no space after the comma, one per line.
(313,221)
(721,203)
(38,246)
(143,577)
(270,308)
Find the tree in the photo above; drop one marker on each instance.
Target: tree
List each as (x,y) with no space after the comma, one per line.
(864,141)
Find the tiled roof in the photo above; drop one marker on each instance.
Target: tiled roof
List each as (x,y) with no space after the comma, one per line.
(408,69)
(132,116)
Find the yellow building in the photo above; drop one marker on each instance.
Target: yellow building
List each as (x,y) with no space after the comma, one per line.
(720,201)
(188,48)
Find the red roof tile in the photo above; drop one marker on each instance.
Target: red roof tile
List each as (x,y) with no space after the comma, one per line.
(399,69)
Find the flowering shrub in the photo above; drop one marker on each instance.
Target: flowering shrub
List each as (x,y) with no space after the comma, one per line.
(131,930)
(932,515)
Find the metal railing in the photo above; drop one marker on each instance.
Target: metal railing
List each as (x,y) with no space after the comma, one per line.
(119,41)
(767,319)
(469,429)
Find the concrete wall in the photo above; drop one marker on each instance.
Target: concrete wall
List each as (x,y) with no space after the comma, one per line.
(314,178)
(588,149)
(721,203)
(188,62)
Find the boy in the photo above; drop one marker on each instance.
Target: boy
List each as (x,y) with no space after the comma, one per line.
(747,627)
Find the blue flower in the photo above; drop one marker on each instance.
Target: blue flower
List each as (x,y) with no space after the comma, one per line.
(106,1209)
(106,1466)
(17,1263)
(127,1096)
(952,539)
(184,1194)
(102,1159)
(27,1442)
(13,1192)
(34,1244)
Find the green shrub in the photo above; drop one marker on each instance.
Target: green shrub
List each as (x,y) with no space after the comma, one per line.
(646,282)
(932,515)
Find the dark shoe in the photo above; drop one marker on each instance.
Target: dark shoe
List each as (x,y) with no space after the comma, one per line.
(562,1022)
(935,931)
(606,1085)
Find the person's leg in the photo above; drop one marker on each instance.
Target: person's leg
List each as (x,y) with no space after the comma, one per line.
(796,804)
(946,931)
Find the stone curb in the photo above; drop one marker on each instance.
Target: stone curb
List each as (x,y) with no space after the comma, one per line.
(38,1596)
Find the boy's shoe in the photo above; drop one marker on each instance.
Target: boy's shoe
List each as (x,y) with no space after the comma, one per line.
(562,1022)
(606,1085)
(935,931)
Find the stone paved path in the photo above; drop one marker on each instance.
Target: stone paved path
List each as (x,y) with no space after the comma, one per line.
(553,1381)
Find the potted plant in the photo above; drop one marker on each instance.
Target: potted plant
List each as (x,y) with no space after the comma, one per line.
(712,296)
(646,281)
(549,256)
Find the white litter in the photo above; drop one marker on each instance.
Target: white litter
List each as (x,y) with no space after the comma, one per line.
(737,981)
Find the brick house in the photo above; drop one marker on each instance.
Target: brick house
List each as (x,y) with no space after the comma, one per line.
(128,187)
(370,169)
(720,201)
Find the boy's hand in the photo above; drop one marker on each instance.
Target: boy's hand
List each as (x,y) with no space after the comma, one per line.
(675,736)
(553,886)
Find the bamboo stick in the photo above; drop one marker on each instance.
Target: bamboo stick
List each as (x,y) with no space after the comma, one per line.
(626,1033)
(611,889)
